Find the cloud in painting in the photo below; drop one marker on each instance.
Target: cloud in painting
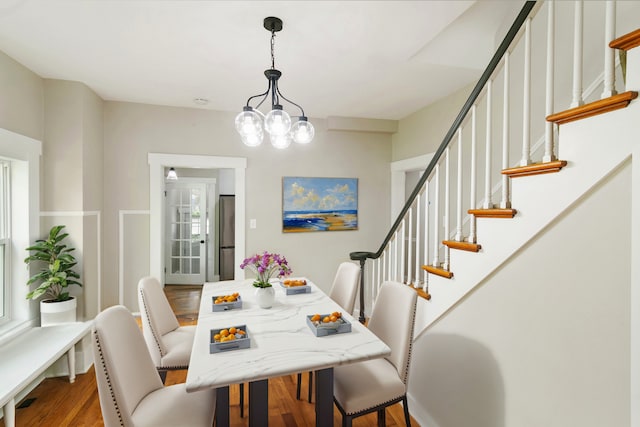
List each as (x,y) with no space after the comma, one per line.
(320,194)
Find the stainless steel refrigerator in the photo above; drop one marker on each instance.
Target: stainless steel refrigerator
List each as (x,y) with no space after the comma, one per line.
(227,206)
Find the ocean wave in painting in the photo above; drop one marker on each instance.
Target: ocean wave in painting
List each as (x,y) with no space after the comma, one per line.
(297,221)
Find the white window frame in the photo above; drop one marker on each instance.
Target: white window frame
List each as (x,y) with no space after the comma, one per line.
(23,154)
(5,240)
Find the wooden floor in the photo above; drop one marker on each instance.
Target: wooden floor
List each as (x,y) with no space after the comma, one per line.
(58,403)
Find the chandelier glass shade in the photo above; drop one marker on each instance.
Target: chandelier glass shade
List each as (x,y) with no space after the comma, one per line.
(252,124)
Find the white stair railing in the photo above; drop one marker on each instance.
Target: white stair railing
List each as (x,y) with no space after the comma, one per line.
(415,240)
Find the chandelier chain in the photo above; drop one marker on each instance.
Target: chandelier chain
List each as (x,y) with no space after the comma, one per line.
(273,60)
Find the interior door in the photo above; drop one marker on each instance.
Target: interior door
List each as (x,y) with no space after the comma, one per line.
(186,210)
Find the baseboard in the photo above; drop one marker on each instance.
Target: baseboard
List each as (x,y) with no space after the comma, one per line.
(419,414)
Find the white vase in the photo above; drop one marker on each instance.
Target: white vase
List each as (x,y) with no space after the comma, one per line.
(265,297)
(53,313)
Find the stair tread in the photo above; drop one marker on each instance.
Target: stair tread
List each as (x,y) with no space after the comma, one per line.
(438,271)
(600,106)
(463,246)
(535,169)
(493,213)
(626,42)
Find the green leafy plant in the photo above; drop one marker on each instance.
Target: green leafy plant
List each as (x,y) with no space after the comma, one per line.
(57,264)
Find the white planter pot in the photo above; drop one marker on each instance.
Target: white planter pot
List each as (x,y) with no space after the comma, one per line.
(53,313)
(265,297)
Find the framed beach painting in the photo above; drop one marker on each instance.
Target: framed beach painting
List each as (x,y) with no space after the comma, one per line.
(319,204)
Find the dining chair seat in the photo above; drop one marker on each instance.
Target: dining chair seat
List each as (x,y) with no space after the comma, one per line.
(172,406)
(178,345)
(131,392)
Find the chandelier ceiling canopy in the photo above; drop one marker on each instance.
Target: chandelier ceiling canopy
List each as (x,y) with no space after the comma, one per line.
(251,123)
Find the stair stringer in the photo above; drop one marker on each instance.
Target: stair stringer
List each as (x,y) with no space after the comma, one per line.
(592,150)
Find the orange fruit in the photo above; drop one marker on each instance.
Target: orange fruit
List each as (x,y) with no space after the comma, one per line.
(336,314)
(216,337)
(326,319)
(224,332)
(240,331)
(333,318)
(315,318)
(232,330)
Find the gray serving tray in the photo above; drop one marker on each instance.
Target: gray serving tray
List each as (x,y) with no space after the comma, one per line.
(238,343)
(325,329)
(294,290)
(225,305)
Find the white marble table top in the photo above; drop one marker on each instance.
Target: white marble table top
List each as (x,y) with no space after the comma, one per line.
(281,341)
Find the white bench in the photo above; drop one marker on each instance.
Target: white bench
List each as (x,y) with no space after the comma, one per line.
(24,358)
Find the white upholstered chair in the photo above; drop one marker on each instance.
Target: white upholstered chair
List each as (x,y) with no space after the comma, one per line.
(130,390)
(343,291)
(169,343)
(370,386)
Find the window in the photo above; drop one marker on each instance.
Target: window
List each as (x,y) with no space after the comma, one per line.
(5,209)
(19,227)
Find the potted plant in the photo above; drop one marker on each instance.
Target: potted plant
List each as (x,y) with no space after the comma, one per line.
(265,266)
(54,277)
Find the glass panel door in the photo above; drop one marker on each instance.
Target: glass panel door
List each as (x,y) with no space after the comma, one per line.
(186,217)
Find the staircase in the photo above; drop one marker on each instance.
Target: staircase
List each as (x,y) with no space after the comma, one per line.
(529,145)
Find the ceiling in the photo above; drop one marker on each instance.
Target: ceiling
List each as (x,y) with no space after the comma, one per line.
(369,59)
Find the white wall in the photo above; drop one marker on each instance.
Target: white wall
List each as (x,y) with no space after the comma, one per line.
(423,131)
(134,130)
(544,341)
(22,92)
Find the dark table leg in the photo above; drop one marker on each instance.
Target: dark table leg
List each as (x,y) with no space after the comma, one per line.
(222,407)
(259,403)
(324,398)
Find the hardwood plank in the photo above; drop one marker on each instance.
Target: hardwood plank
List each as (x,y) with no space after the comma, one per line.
(59,403)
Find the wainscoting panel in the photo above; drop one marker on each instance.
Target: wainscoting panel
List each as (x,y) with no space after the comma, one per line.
(133,254)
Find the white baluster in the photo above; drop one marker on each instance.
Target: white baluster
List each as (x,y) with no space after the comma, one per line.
(458,236)
(549,156)
(396,255)
(447,191)
(401,270)
(410,247)
(384,276)
(436,216)
(526,107)
(418,241)
(505,203)
(379,266)
(472,190)
(487,151)
(577,55)
(609,53)
(426,228)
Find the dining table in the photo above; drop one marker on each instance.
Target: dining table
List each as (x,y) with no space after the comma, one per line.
(279,341)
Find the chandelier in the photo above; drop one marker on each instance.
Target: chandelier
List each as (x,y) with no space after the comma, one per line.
(252,123)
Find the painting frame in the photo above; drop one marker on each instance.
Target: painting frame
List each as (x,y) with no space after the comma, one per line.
(311,204)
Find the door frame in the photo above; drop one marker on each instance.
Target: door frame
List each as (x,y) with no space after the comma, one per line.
(157,163)
(399,171)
